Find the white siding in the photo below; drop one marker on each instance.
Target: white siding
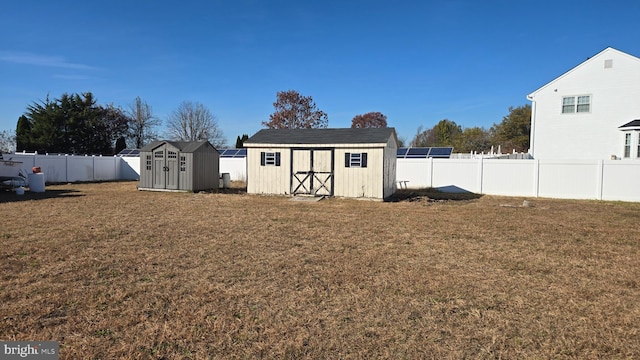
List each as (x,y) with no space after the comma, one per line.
(614,96)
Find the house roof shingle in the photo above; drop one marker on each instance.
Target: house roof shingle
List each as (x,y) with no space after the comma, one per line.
(322,136)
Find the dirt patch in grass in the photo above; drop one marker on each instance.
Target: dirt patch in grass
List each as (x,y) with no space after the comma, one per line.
(112,272)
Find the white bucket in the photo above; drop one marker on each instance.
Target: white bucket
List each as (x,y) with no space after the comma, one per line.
(20,190)
(36,182)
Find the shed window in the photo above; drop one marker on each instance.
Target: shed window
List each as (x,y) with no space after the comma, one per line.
(573,104)
(270,158)
(148,164)
(355,160)
(183,163)
(159,154)
(172,155)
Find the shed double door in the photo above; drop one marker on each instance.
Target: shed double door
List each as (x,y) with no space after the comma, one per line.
(312,172)
(165,169)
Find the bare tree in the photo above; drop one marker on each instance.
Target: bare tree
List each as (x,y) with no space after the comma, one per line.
(294,111)
(193,121)
(142,127)
(7,142)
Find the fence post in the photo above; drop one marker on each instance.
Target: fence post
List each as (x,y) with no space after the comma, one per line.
(600,180)
(536,177)
(430,164)
(480,175)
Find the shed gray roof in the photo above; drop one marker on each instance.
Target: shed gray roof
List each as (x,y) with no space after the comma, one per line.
(323,136)
(183,146)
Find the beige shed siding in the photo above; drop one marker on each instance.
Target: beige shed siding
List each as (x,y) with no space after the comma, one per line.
(268,179)
(376,181)
(359,182)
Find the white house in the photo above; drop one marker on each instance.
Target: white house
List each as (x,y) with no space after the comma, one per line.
(332,162)
(589,112)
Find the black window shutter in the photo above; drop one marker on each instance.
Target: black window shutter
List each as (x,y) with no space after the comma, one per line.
(363,159)
(347,159)
(262,158)
(278,159)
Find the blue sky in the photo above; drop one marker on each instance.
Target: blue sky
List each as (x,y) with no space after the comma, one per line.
(417,62)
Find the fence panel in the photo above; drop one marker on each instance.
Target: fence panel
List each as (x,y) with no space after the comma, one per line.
(79,168)
(414,173)
(620,180)
(461,175)
(574,179)
(509,177)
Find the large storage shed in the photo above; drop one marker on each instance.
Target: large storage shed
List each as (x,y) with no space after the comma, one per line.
(358,163)
(179,165)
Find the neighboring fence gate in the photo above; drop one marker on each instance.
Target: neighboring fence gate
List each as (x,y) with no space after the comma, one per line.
(312,172)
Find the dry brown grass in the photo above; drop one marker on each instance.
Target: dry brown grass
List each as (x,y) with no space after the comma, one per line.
(112,272)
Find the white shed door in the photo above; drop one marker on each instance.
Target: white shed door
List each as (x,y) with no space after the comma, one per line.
(312,171)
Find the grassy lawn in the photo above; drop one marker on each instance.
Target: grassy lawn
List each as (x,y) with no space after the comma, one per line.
(111,272)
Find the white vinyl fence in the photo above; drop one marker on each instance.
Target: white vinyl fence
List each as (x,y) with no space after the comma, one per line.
(566,179)
(74,168)
(571,179)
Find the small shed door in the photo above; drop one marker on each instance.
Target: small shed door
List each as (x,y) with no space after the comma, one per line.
(165,169)
(312,171)
(172,170)
(159,176)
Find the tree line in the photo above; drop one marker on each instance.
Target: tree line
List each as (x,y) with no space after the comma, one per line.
(77,124)
(512,133)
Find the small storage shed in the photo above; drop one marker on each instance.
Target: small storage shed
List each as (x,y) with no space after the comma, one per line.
(357,163)
(179,165)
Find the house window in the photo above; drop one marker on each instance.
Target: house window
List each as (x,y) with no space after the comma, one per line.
(573,104)
(269,158)
(183,163)
(148,164)
(355,160)
(638,154)
(627,145)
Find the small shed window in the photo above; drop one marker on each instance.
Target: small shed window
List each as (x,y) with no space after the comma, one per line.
(270,158)
(183,163)
(172,155)
(148,166)
(627,145)
(355,160)
(158,154)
